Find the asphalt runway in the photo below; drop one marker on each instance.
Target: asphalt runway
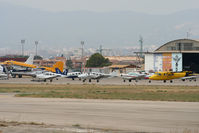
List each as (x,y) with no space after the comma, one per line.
(132,116)
(105,81)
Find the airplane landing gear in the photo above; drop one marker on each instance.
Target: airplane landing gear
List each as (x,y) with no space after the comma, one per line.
(171,81)
(97,80)
(124,80)
(89,80)
(164,81)
(129,80)
(149,81)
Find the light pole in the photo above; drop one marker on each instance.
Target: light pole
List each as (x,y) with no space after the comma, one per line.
(22,47)
(82,43)
(36,43)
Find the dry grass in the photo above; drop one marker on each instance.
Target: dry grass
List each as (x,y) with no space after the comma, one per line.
(157,93)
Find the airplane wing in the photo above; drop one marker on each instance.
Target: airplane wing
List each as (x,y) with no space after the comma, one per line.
(194,77)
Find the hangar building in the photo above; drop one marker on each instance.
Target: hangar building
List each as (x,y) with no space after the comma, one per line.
(177,55)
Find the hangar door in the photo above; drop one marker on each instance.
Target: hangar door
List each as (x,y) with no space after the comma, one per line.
(191,62)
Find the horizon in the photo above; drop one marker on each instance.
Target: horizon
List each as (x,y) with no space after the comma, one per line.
(55,30)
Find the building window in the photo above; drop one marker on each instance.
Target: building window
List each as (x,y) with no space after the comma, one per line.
(188,46)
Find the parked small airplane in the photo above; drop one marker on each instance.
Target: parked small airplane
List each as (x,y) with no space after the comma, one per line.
(33,71)
(164,76)
(71,75)
(96,76)
(190,76)
(133,76)
(44,76)
(21,66)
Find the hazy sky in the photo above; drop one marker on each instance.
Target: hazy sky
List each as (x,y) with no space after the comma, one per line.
(145,6)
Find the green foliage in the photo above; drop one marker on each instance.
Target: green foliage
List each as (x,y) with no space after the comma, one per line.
(97,60)
(69,64)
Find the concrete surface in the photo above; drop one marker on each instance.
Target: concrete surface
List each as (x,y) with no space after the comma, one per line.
(107,81)
(139,116)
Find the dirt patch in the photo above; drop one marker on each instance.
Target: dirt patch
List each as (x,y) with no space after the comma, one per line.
(32,127)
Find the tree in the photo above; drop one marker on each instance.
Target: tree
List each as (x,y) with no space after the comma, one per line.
(69,63)
(97,60)
(37,57)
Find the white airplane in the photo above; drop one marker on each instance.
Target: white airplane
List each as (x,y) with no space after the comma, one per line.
(133,76)
(44,76)
(190,76)
(4,74)
(96,76)
(71,75)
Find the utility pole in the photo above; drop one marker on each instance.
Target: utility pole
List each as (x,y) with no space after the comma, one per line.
(36,43)
(22,47)
(82,43)
(141,46)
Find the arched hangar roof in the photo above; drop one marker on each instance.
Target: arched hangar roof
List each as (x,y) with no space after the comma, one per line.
(180,45)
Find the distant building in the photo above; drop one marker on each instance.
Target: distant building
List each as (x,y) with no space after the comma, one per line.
(14,58)
(124,68)
(49,62)
(124,60)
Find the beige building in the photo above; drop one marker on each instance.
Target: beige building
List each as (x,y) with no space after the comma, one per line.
(176,55)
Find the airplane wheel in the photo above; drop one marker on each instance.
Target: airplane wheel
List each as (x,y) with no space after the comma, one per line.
(171,81)
(80,79)
(19,76)
(45,80)
(73,79)
(183,80)
(124,80)
(97,80)
(129,80)
(164,81)
(149,81)
(83,80)
(51,80)
(189,80)
(89,80)
(195,80)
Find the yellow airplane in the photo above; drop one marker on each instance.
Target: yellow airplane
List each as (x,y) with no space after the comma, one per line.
(21,66)
(28,65)
(167,76)
(59,65)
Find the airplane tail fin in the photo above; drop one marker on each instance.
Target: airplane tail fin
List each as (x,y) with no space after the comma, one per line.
(59,72)
(30,59)
(5,70)
(65,72)
(59,65)
(114,74)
